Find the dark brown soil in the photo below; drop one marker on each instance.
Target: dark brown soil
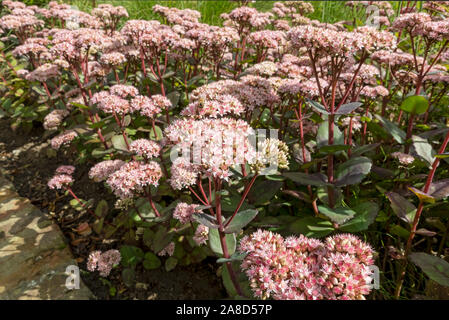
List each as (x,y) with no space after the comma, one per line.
(29,163)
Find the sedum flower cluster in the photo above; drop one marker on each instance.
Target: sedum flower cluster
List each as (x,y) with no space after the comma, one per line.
(301,268)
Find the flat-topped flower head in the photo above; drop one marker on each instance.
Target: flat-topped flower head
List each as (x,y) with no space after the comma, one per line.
(64,138)
(54,119)
(133,177)
(223,143)
(201,235)
(145,148)
(145,106)
(68,170)
(183,212)
(300,268)
(102,170)
(103,261)
(59,181)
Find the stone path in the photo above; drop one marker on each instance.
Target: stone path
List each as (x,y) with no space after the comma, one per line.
(33,253)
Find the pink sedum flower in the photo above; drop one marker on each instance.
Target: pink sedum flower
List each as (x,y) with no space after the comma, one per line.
(145,148)
(183,212)
(133,177)
(103,262)
(201,235)
(168,250)
(59,181)
(102,170)
(299,268)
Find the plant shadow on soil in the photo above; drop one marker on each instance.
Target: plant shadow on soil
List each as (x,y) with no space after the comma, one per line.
(24,158)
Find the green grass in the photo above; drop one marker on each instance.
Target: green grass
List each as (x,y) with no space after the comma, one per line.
(325,11)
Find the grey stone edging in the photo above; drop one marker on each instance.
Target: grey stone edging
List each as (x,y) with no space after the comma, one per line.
(33,252)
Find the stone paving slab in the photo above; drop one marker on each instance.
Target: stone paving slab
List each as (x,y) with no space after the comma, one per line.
(33,252)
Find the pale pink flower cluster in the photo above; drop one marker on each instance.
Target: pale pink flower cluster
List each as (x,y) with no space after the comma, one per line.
(124,91)
(223,143)
(213,100)
(437,77)
(355,123)
(109,14)
(33,47)
(282,25)
(103,261)
(374,92)
(183,212)
(54,119)
(168,250)
(69,170)
(395,59)
(300,268)
(145,148)
(59,180)
(183,173)
(115,100)
(133,177)
(411,22)
(14,4)
(246,18)
(325,42)
(43,73)
(201,235)
(403,158)
(113,59)
(63,139)
(225,97)
(102,170)
(265,68)
(267,39)
(145,106)
(178,16)
(110,103)
(20,23)
(22,73)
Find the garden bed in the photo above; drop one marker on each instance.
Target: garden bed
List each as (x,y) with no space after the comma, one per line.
(28,161)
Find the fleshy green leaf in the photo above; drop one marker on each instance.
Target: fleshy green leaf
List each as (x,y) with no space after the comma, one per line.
(170,263)
(334,148)
(435,268)
(241,219)
(205,219)
(366,213)
(403,208)
(263,191)
(235,257)
(322,137)
(317,106)
(352,171)
(102,209)
(362,149)
(151,261)
(415,104)
(337,215)
(131,255)
(312,227)
(398,134)
(348,108)
(119,143)
(439,189)
(215,244)
(423,149)
(315,179)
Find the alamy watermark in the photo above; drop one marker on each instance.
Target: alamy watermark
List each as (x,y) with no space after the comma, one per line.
(73,280)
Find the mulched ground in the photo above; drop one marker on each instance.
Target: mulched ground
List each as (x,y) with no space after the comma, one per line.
(29,163)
